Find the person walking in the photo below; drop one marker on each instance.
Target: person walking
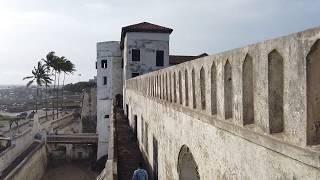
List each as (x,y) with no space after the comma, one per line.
(140,173)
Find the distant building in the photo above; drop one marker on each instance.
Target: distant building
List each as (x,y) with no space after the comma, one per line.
(143,48)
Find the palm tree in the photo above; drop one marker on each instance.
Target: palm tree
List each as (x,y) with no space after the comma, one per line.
(68,67)
(59,66)
(51,62)
(40,77)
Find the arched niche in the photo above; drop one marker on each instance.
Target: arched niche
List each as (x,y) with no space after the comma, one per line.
(247,91)
(203,88)
(275,91)
(313,94)
(187,166)
(228,91)
(213,89)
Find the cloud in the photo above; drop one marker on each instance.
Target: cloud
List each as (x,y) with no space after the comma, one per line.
(30,29)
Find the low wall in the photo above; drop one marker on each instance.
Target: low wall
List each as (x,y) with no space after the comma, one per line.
(18,145)
(110,171)
(220,151)
(245,113)
(32,167)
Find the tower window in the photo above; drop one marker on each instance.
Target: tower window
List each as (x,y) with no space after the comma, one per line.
(159,58)
(134,75)
(104,63)
(135,55)
(104,80)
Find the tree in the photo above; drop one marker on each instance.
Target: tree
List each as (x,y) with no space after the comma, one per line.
(67,68)
(40,77)
(51,63)
(58,67)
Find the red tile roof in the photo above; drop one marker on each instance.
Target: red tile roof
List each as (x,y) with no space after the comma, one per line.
(177,59)
(143,27)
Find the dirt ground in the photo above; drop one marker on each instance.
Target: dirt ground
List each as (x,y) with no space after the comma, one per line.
(69,171)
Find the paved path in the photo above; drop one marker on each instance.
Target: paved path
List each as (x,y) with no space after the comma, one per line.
(75,170)
(128,151)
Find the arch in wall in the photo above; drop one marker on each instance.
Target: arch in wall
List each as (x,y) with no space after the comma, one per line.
(186,87)
(228,90)
(163,87)
(166,85)
(275,91)
(194,101)
(313,94)
(203,88)
(149,80)
(160,86)
(154,86)
(213,89)
(247,91)
(170,89)
(187,166)
(180,88)
(157,86)
(174,88)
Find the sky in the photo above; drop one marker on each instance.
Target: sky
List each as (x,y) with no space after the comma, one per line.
(29,29)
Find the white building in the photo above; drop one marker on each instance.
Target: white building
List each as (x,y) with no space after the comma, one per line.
(143,48)
(109,80)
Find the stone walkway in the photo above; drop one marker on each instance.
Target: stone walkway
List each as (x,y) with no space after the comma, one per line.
(128,151)
(19,159)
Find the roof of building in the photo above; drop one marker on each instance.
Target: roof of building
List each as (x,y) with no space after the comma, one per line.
(143,27)
(177,59)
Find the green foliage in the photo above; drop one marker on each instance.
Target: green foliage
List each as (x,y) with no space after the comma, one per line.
(79,87)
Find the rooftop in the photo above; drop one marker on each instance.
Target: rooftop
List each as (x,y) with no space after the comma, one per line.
(143,27)
(177,59)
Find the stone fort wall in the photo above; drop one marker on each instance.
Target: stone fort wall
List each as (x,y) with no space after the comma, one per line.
(246,113)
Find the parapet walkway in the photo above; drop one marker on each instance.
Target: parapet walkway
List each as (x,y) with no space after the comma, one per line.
(128,150)
(19,159)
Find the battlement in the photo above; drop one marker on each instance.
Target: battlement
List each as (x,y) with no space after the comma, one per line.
(271,88)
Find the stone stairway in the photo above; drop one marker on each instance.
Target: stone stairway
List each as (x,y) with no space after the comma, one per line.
(128,151)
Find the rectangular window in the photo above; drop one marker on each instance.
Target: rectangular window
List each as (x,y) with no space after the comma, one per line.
(159,58)
(134,75)
(104,63)
(135,55)
(104,80)
(122,63)
(96,65)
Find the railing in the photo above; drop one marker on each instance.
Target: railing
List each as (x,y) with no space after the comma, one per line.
(73,138)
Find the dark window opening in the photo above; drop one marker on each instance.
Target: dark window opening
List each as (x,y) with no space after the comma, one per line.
(96,65)
(135,55)
(159,58)
(106,116)
(122,63)
(104,63)
(134,75)
(155,158)
(104,80)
